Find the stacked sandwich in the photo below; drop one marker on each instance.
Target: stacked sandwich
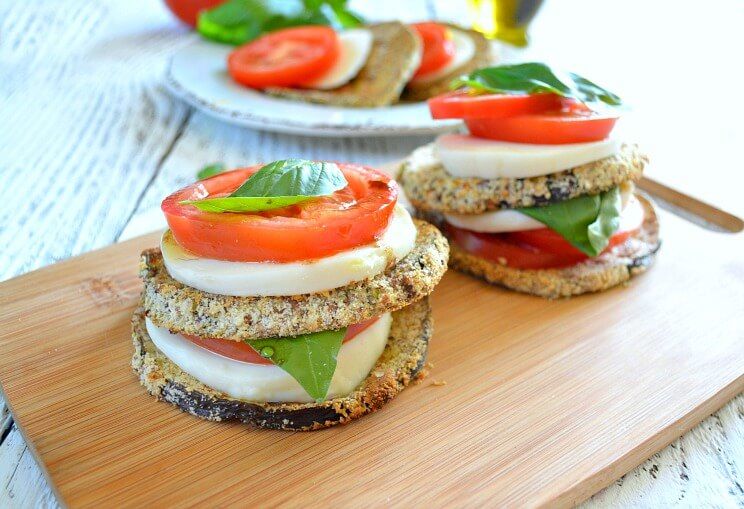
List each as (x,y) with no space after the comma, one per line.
(538,197)
(375,65)
(291,296)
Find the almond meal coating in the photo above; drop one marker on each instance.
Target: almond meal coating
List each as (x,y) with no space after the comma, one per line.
(605,271)
(430,188)
(183,309)
(398,366)
(394,57)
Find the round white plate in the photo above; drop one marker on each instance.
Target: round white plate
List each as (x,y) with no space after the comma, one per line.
(197,73)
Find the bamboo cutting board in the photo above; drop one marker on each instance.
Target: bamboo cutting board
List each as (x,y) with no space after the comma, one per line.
(545,402)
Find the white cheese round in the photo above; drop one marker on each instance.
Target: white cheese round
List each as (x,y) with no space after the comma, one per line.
(497,221)
(507,220)
(355,45)
(632,216)
(468,156)
(244,279)
(464,53)
(268,383)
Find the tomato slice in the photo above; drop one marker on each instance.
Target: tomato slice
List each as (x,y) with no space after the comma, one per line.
(551,241)
(354,216)
(572,123)
(439,48)
(239,351)
(463,104)
(188,10)
(530,249)
(285,58)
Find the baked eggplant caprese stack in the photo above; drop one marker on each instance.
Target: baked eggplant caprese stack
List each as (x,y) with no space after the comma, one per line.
(367,66)
(539,197)
(291,295)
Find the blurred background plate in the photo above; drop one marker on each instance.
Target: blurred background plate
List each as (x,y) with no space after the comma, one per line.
(197,74)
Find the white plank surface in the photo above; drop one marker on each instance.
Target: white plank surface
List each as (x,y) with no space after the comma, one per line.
(90,142)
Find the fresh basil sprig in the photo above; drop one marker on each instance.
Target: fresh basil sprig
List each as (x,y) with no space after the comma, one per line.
(239,21)
(278,184)
(586,222)
(210,170)
(310,358)
(534,78)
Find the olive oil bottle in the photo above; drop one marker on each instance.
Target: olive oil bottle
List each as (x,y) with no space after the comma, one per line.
(506,20)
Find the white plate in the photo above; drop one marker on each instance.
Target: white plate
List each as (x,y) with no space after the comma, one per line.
(197,73)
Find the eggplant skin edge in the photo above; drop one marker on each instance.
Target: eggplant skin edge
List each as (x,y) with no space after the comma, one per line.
(401,363)
(610,269)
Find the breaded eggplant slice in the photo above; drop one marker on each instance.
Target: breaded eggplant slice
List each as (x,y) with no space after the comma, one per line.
(430,188)
(617,266)
(399,364)
(180,308)
(482,58)
(394,57)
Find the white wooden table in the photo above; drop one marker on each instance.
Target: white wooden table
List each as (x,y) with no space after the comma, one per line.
(90,142)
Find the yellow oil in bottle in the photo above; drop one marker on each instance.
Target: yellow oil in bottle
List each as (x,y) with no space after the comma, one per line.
(506,20)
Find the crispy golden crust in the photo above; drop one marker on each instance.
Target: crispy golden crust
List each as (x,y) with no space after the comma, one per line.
(183,309)
(610,269)
(482,58)
(399,364)
(430,188)
(395,55)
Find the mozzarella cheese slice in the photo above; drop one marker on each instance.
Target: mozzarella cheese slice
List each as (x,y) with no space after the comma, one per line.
(507,220)
(632,216)
(464,53)
(269,383)
(355,45)
(468,156)
(497,221)
(244,279)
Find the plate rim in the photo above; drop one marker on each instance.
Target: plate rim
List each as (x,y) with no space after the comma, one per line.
(264,123)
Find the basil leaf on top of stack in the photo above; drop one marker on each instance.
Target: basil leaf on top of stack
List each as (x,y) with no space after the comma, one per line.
(276,185)
(539,196)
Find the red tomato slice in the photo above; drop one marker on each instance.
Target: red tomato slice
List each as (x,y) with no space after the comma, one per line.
(240,351)
(462,104)
(319,227)
(285,58)
(531,249)
(551,241)
(572,123)
(188,10)
(439,49)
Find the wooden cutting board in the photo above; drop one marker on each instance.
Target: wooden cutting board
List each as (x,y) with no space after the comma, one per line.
(545,402)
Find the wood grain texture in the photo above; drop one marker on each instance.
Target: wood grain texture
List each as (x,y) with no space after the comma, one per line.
(79,144)
(84,125)
(534,412)
(21,482)
(701,469)
(63,42)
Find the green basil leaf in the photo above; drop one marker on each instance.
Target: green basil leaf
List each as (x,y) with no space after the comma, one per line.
(310,358)
(240,21)
(348,19)
(608,219)
(210,171)
(308,18)
(278,184)
(234,22)
(533,78)
(245,204)
(293,177)
(586,222)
